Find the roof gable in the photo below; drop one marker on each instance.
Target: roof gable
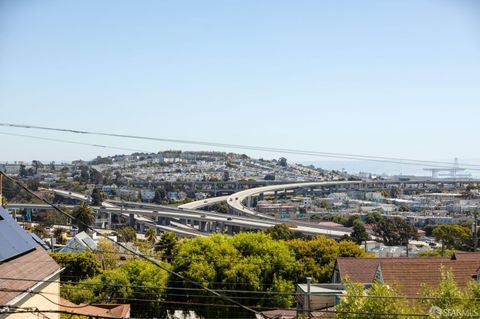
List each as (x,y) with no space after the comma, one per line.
(14,240)
(410,276)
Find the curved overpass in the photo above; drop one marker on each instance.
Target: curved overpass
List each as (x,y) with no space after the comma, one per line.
(221,221)
(236,201)
(204,202)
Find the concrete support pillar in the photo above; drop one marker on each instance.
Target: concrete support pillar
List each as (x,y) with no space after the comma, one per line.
(131,220)
(109,220)
(275,195)
(202,226)
(261,196)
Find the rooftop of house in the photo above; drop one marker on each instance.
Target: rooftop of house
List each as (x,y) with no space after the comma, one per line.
(94,310)
(409,274)
(464,255)
(411,277)
(23,263)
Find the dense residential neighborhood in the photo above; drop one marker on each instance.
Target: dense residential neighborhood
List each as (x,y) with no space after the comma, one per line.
(239,159)
(307,245)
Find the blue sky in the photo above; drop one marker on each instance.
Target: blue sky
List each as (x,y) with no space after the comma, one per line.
(388,78)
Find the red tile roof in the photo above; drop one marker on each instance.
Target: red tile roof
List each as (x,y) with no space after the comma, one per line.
(363,269)
(34,265)
(463,255)
(410,275)
(357,269)
(101,310)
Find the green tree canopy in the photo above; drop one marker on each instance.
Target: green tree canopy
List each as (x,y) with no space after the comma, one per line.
(453,236)
(359,233)
(77,266)
(160,195)
(280,232)
(126,234)
(316,258)
(97,197)
(107,253)
(246,261)
(40,231)
(381,301)
(373,217)
(166,245)
(395,231)
(137,282)
(84,216)
(151,235)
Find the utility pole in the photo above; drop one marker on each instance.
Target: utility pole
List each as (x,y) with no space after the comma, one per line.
(309,291)
(475,235)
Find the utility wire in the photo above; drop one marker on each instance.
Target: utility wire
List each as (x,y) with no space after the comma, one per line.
(228,299)
(149,287)
(366,296)
(17,310)
(72,142)
(395,160)
(153,300)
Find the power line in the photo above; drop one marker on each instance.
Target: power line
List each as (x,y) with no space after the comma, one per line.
(226,298)
(17,310)
(149,287)
(72,142)
(143,299)
(228,306)
(395,160)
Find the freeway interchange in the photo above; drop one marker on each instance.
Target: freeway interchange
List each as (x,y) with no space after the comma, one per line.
(189,220)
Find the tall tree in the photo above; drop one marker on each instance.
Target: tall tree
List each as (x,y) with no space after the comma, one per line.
(97,197)
(280,232)
(316,258)
(453,236)
(159,195)
(40,231)
(126,234)
(107,253)
(226,176)
(84,216)
(359,233)
(166,245)
(23,171)
(395,231)
(59,235)
(151,236)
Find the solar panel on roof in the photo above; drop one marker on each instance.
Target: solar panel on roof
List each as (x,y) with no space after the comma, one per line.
(40,241)
(13,239)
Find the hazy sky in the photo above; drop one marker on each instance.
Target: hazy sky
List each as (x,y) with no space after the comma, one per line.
(393,78)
